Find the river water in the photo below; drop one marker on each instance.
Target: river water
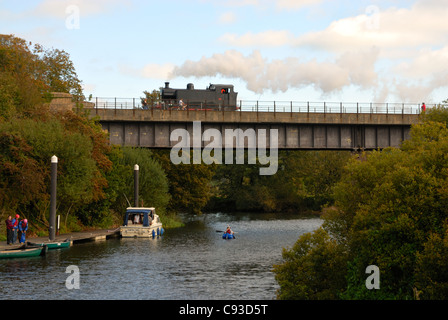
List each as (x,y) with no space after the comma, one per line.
(188,263)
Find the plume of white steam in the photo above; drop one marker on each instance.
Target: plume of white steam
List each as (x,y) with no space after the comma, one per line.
(280,75)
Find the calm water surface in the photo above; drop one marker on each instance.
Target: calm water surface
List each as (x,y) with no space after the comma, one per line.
(192,262)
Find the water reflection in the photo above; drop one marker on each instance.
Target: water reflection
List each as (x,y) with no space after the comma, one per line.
(192,262)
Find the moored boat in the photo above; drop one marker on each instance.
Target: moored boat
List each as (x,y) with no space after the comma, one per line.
(51,245)
(23,252)
(141,223)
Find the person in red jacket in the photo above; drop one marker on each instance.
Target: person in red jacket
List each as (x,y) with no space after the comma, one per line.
(9,230)
(423,107)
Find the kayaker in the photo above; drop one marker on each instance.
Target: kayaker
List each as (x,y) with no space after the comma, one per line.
(228,230)
(23,227)
(15,228)
(9,232)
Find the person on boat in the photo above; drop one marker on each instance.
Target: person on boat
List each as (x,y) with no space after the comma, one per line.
(15,228)
(23,227)
(9,232)
(228,230)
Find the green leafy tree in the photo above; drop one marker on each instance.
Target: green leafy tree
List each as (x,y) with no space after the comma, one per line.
(189,184)
(391,211)
(151,98)
(313,269)
(302,183)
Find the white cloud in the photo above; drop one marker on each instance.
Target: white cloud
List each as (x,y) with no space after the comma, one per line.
(424,24)
(227,17)
(421,25)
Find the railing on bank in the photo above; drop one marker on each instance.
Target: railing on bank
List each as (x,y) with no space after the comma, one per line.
(267,106)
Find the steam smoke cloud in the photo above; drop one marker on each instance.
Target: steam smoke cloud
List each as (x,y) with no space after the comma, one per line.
(356,68)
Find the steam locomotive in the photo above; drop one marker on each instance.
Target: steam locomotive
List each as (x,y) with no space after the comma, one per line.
(214,97)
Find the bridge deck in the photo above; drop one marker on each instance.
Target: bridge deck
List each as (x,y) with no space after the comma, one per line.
(253,117)
(342,131)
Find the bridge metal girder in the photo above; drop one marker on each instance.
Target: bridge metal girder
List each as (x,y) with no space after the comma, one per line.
(300,136)
(296,130)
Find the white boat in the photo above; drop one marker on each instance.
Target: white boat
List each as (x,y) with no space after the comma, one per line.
(141,223)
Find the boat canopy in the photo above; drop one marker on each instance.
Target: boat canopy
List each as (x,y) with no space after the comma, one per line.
(139,216)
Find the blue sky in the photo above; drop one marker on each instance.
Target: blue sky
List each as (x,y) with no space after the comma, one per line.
(300,50)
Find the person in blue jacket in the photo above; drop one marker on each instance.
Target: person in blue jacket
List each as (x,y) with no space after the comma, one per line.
(15,228)
(23,227)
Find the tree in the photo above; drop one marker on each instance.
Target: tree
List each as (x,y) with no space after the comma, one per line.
(21,76)
(30,134)
(302,184)
(189,184)
(30,73)
(22,180)
(391,212)
(80,177)
(151,98)
(59,73)
(313,269)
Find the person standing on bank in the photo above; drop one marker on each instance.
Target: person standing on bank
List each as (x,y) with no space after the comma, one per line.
(23,227)
(15,228)
(9,230)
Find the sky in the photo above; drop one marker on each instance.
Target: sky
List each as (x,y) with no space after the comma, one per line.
(282,50)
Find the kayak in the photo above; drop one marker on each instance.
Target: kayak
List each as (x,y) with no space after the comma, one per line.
(228,236)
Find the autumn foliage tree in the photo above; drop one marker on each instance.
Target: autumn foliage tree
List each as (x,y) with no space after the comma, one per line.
(92,175)
(30,134)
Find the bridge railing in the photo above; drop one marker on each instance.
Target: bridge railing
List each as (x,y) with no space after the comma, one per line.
(280,106)
(330,107)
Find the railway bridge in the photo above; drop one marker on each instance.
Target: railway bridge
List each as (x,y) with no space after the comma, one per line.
(292,129)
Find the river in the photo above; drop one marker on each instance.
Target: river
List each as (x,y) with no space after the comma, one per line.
(188,263)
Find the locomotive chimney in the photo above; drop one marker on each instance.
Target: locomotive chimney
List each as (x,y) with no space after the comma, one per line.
(190,86)
(167,85)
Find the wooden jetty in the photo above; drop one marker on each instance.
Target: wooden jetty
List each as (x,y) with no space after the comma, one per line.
(74,238)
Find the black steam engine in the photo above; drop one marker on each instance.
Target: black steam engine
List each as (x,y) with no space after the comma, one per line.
(214,97)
